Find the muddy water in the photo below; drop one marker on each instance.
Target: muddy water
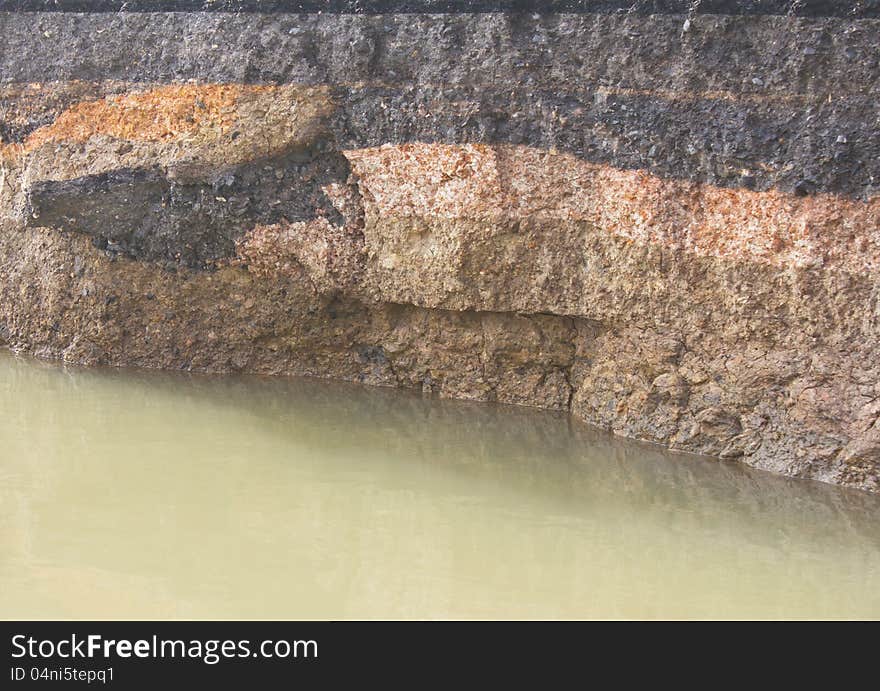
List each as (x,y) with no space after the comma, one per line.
(141,494)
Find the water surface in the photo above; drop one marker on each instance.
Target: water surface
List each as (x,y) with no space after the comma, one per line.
(128,494)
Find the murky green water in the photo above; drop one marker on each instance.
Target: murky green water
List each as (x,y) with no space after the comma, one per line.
(141,494)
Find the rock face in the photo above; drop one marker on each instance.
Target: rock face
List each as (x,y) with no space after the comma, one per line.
(661,216)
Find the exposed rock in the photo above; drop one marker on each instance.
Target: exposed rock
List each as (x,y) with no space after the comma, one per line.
(539,210)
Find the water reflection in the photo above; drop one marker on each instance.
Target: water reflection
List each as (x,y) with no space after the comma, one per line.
(144,494)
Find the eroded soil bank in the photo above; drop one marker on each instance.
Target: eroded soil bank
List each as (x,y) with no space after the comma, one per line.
(668,224)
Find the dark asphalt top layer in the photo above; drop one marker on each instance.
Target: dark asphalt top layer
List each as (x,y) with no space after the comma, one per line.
(800,8)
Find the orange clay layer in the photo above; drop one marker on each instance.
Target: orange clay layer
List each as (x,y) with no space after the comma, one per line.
(495,182)
(168,112)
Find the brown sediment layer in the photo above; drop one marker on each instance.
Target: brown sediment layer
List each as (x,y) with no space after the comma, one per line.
(789,401)
(496,183)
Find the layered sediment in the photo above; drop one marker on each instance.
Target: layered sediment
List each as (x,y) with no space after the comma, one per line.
(664,220)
